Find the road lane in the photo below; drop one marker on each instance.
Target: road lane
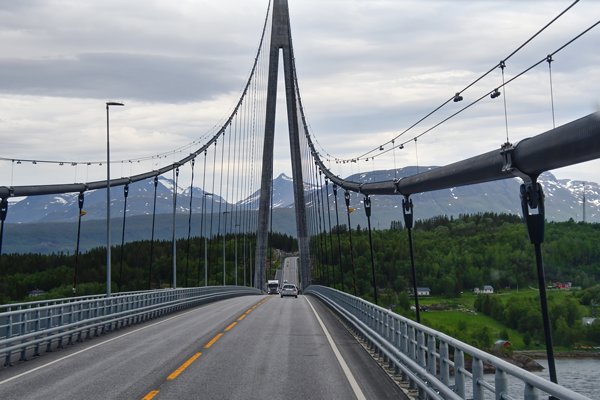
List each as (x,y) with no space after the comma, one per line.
(290,270)
(281,351)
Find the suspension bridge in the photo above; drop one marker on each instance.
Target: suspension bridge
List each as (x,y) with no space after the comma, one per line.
(212,333)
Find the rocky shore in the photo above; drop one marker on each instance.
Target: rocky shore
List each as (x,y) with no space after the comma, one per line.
(574,354)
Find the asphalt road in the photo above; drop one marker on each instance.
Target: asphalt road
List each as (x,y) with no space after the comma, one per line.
(290,270)
(252,347)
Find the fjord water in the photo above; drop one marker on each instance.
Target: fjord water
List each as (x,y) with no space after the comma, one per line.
(579,375)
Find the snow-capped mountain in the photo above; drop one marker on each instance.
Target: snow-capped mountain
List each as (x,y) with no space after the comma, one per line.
(47,224)
(140,201)
(283,193)
(564,200)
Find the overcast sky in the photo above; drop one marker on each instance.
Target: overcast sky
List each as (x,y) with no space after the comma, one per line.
(367,70)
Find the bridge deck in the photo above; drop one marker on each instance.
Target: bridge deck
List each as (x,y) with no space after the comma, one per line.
(241,348)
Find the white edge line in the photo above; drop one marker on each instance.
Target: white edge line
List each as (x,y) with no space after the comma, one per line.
(92,347)
(357,391)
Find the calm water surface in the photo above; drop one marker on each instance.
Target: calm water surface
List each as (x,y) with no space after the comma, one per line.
(581,376)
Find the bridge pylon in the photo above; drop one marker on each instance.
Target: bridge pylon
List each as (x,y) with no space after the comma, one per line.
(281,40)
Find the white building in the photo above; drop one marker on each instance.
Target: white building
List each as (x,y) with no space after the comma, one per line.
(487,289)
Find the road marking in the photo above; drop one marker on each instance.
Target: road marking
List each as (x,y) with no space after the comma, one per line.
(94,346)
(241,317)
(183,366)
(150,395)
(234,323)
(213,340)
(353,384)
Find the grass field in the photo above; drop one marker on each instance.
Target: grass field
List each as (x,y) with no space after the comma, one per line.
(467,327)
(457,317)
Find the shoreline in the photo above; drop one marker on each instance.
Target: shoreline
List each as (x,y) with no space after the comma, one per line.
(574,354)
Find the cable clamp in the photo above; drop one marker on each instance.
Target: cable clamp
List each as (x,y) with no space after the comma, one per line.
(3,209)
(506,150)
(532,205)
(396,185)
(367,203)
(80,200)
(407,210)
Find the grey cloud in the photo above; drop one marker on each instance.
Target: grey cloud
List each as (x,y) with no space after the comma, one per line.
(106,75)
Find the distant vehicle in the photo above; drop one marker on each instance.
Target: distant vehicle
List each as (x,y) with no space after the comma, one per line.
(273,286)
(289,290)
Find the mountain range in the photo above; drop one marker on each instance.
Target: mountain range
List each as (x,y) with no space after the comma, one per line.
(46,219)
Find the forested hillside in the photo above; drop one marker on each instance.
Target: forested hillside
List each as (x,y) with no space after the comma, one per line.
(55,274)
(451,256)
(456,255)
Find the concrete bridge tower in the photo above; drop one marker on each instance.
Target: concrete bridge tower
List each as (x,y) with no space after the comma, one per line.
(281,39)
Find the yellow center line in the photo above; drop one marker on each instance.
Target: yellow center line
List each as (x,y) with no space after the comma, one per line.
(213,340)
(183,366)
(234,323)
(150,395)
(189,362)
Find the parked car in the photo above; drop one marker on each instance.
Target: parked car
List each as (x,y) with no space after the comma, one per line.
(289,290)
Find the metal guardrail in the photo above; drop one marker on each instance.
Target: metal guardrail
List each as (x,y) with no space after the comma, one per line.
(64,300)
(26,330)
(434,363)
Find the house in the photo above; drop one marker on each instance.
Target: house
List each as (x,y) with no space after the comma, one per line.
(562,285)
(501,344)
(423,291)
(588,321)
(487,289)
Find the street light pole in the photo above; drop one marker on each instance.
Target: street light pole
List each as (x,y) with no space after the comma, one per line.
(108,266)
(205,242)
(237,226)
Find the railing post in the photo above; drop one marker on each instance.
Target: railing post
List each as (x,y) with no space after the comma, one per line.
(421,357)
(36,350)
(530,393)
(404,338)
(431,360)
(399,343)
(8,336)
(412,353)
(412,344)
(477,377)
(421,360)
(393,322)
(50,325)
(459,376)
(500,384)
(444,365)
